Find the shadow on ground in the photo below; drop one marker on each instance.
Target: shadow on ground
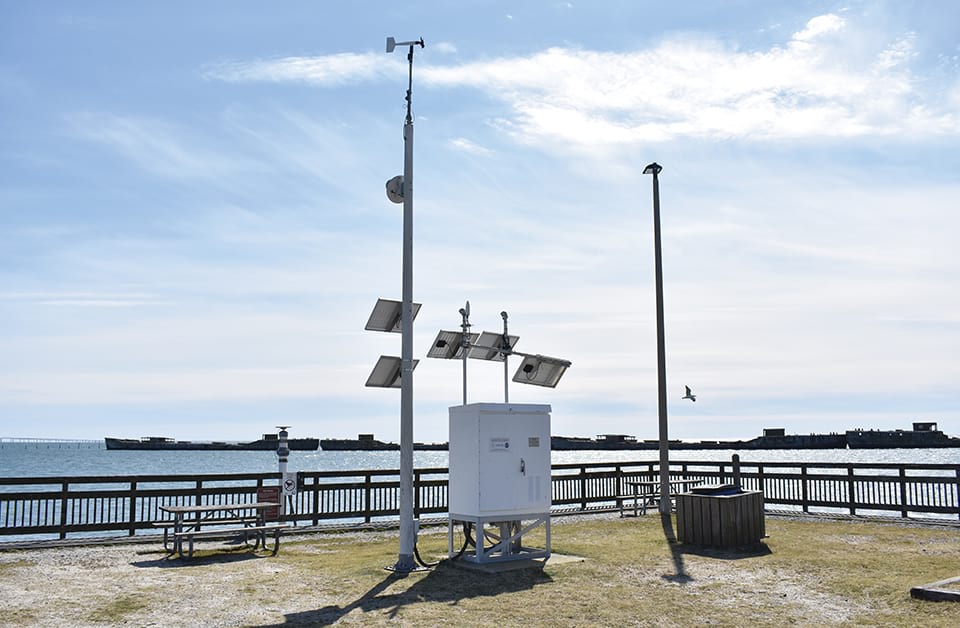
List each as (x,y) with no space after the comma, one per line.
(213,558)
(678,550)
(445,584)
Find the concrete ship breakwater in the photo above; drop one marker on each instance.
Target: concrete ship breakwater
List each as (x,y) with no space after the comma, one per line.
(923,435)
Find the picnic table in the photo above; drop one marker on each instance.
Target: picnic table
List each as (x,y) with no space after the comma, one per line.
(218,521)
(645,493)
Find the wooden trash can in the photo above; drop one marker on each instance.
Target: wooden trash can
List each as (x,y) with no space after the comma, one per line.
(720,516)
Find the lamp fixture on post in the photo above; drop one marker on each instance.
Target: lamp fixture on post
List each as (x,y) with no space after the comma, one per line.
(655,169)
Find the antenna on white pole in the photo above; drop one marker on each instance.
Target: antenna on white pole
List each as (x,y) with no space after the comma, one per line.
(506,359)
(465,344)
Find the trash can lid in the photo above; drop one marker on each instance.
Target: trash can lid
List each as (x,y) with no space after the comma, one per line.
(714,489)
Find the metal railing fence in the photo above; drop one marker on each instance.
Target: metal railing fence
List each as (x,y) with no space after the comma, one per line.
(56,507)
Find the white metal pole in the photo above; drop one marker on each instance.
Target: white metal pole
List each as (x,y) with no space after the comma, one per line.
(405,560)
(283,450)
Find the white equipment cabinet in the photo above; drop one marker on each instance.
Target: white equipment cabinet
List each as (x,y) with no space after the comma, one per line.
(500,478)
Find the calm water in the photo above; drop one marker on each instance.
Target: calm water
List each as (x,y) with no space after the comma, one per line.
(80,459)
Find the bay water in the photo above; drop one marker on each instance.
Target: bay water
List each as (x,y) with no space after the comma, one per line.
(46,459)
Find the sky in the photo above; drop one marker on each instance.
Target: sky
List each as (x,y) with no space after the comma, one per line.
(194,227)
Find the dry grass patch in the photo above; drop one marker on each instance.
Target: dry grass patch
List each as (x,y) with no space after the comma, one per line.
(117,610)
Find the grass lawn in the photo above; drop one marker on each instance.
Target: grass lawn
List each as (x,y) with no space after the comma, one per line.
(806,573)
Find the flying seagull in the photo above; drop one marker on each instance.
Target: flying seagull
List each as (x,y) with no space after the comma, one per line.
(692,397)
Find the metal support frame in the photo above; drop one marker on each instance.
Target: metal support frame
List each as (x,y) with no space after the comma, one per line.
(509,543)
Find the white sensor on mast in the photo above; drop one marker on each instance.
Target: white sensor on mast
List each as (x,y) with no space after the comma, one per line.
(393,43)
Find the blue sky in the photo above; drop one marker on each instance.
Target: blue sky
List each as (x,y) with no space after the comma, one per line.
(193,225)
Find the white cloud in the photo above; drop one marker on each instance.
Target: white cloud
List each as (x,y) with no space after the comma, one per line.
(698,89)
(465,145)
(819,84)
(898,53)
(444,47)
(818,26)
(141,385)
(328,70)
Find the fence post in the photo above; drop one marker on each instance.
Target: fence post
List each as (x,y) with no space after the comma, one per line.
(366,498)
(957,501)
(133,508)
(723,474)
(316,500)
(618,488)
(65,487)
(416,494)
(903,492)
(805,496)
(761,484)
(583,487)
(851,491)
(197,498)
(736,471)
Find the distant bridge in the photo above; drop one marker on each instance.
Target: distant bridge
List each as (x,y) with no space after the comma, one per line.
(50,442)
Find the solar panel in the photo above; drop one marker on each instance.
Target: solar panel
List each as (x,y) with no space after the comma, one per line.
(540,370)
(386,316)
(448,345)
(489,345)
(386,372)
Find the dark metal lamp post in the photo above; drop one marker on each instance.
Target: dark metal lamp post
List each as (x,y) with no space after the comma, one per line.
(655,169)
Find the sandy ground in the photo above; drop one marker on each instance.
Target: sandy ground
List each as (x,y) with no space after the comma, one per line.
(101,585)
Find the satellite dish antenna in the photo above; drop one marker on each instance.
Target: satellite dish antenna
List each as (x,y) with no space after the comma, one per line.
(465,310)
(395,189)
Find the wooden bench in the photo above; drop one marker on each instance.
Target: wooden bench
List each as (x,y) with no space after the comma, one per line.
(259,531)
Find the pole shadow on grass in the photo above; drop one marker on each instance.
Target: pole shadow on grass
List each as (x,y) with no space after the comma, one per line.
(676,553)
(444,584)
(678,549)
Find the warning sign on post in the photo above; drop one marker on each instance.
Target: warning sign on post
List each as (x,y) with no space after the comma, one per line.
(270,494)
(289,484)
